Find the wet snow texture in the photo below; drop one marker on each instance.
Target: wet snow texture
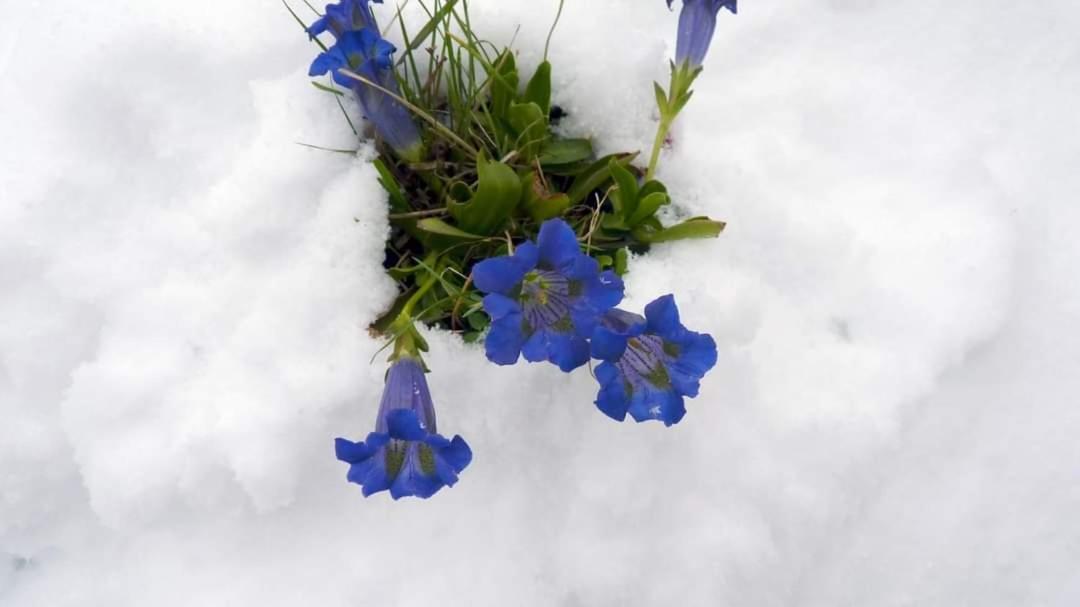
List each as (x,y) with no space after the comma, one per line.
(893,419)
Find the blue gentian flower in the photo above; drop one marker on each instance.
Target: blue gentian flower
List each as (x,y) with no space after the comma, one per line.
(697,21)
(368,54)
(650,363)
(404,454)
(544,300)
(345,16)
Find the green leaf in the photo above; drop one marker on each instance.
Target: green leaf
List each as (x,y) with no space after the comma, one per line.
(647,207)
(622,260)
(625,196)
(566,151)
(605,261)
(497,193)
(661,98)
(695,227)
(595,176)
(434,225)
(530,126)
(428,28)
(538,90)
(504,83)
(398,204)
(538,202)
(478,321)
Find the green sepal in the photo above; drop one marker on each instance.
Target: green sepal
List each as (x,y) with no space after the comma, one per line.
(538,90)
(497,193)
(695,227)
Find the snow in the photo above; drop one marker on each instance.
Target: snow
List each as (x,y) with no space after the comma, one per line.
(892,421)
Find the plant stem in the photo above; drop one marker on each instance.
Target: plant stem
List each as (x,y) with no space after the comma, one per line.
(661,136)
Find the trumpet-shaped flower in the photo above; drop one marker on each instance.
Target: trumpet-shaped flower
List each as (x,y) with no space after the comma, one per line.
(650,364)
(345,16)
(545,299)
(404,454)
(367,54)
(697,22)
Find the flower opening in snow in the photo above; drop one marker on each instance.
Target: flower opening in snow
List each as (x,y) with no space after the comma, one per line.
(650,363)
(697,21)
(404,454)
(366,53)
(345,16)
(545,299)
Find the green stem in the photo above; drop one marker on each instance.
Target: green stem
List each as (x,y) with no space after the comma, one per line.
(658,143)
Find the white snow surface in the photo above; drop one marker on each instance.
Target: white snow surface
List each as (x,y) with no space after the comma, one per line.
(892,420)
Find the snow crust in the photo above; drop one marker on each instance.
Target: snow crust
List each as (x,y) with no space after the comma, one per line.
(892,420)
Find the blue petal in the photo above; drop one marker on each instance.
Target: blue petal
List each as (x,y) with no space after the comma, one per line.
(663,405)
(497,306)
(605,292)
(404,424)
(581,267)
(350,452)
(568,352)
(612,399)
(324,63)
(498,274)
(527,255)
(663,316)
(558,245)
(697,353)
(535,348)
(607,344)
(585,319)
(504,340)
(458,454)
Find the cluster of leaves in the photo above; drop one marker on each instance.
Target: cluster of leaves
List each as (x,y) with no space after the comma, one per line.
(493,170)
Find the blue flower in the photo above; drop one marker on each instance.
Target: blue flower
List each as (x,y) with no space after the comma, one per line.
(545,299)
(345,16)
(366,53)
(697,21)
(404,454)
(650,363)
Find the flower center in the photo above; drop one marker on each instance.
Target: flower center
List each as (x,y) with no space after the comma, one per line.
(645,359)
(545,300)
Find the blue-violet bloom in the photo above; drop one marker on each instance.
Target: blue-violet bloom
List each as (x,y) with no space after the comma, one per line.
(545,299)
(369,55)
(345,16)
(697,21)
(650,363)
(404,454)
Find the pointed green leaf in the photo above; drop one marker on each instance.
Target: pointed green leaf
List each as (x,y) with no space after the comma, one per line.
(504,83)
(538,90)
(696,227)
(530,127)
(647,207)
(398,204)
(566,151)
(625,196)
(661,98)
(595,176)
(434,225)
